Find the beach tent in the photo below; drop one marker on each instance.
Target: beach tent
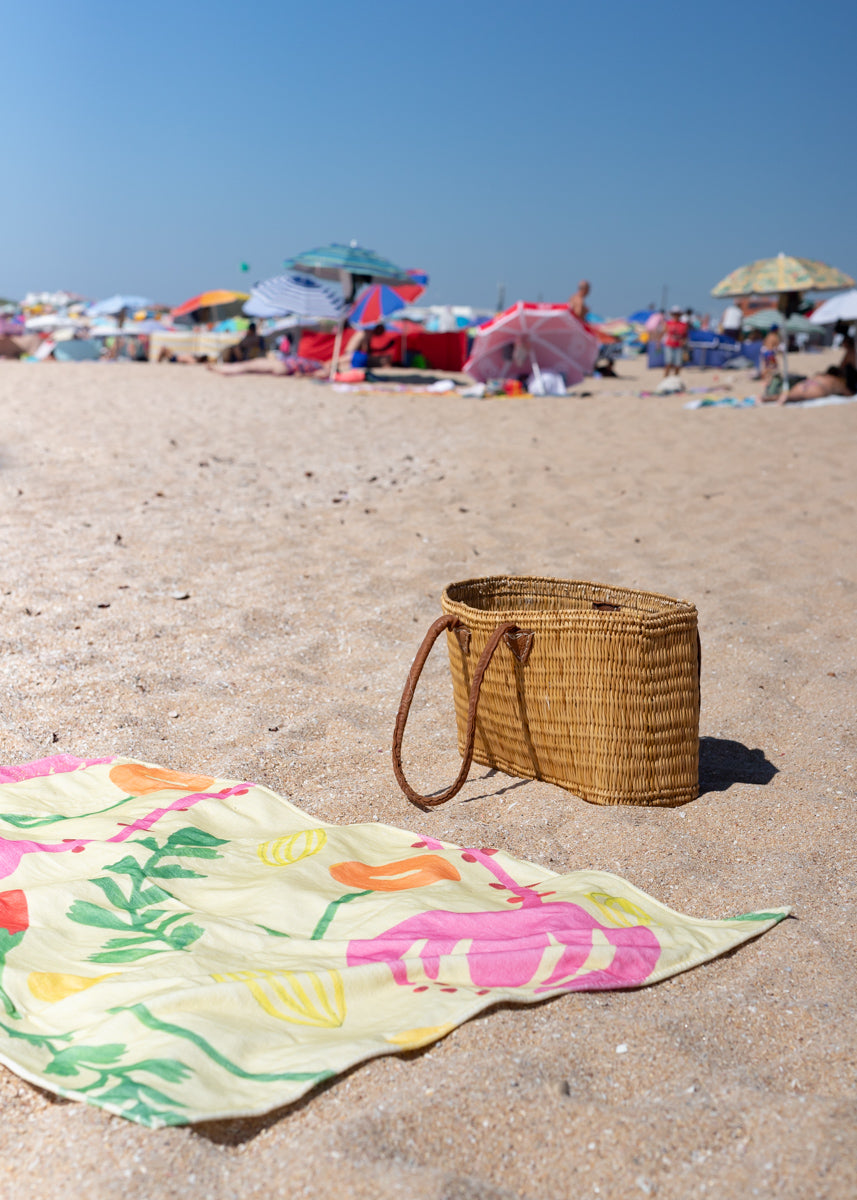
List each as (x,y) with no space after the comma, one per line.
(77,350)
(533,338)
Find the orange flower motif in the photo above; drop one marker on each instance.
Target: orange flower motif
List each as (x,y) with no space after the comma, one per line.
(394,876)
(136,779)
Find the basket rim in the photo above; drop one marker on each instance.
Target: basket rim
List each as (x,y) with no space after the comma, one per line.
(665,606)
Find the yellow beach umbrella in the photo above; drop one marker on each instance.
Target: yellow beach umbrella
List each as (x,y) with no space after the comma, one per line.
(782,274)
(788,277)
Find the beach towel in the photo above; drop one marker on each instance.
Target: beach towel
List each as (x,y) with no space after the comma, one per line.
(177,948)
(750,402)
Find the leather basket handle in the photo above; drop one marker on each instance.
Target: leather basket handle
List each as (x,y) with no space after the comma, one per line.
(434,632)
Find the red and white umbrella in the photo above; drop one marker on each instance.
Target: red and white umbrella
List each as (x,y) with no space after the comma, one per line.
(530,338)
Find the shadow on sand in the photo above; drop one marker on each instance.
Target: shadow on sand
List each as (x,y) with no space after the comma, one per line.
(723,762)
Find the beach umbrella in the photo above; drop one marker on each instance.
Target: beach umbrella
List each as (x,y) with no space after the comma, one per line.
(297,295)
(782,274)
(533,337)
(351,265)
(209,307)
(138,329)
(114,305)
(767,318)
(837,308)
(48,322)
(640,317)
(411,292)
(617,327)
(786,276)
(375,304)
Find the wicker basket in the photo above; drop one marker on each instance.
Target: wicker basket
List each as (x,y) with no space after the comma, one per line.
(594,688)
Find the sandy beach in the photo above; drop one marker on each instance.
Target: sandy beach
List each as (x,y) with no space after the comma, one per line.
(232,575)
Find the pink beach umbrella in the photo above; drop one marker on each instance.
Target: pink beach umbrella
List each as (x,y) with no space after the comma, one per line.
(530,338)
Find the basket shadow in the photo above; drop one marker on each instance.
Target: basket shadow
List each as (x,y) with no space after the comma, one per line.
(499,791)
(723,762)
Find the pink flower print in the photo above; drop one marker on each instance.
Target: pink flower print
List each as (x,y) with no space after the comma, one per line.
(507,947)
(55,764)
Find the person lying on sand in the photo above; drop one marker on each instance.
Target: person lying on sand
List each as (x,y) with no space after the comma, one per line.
(291,364)
(840,380)
(171,356)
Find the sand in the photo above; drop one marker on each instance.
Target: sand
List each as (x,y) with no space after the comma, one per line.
(312,534)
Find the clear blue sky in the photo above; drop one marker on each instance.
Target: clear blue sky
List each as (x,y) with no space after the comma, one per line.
(151,148)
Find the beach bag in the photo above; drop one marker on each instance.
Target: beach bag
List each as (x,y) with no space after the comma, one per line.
(590,687)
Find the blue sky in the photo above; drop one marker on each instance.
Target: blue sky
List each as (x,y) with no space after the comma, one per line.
(152,148)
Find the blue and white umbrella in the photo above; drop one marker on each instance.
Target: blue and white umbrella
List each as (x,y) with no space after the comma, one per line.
(117,304)
(293,294)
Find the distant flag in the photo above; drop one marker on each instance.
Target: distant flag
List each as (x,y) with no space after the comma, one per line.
(245,266)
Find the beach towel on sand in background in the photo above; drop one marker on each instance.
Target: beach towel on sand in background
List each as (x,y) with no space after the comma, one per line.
(178,948)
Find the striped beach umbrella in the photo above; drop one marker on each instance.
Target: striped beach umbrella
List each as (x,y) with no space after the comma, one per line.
(294,294)
(351,265)
(328,261)
(412,291)
(375,304)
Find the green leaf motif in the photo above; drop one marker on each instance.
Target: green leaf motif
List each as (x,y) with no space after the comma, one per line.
(93,914)
(8,941)
(25,821)
(133,906)
(191,836)
(172,872)
(22,821)
(760,916)
(73,1058)
(182,937)
(113,892)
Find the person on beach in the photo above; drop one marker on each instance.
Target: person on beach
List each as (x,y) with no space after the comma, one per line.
(839,380)
(273,364)
(769,354)
(372,348)
(675,341)
(577,302)
(251,346)
(731,322)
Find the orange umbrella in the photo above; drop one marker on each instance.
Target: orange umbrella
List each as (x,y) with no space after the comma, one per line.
(208,307)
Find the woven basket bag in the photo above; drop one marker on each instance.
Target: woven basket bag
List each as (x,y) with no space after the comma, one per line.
(591,687)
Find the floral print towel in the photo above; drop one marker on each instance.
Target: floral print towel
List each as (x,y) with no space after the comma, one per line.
(179,948)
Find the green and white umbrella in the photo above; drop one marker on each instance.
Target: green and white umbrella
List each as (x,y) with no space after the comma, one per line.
(767,318)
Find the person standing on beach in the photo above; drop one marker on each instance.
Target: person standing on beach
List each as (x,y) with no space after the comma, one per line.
(675,341)
(731,322)
(577,302)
